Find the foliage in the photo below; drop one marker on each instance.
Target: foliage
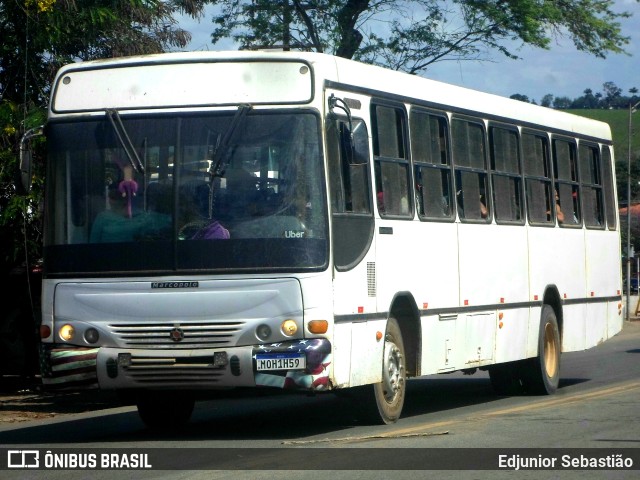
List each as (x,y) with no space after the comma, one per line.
(410,35)
(19,213)
(611,97)
(618,120)
(39,36)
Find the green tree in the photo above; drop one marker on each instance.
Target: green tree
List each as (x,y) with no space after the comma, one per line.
(547,100)
(588,100)
(410,35)
(521,97)
(562,102)
(612,95)
(38,36)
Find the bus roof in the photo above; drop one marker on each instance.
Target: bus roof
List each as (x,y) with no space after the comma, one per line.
(377,81)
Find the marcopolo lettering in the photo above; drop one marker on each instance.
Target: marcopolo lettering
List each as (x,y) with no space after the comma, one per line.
(174,285)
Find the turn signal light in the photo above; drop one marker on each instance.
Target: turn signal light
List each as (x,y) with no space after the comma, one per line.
(45,331)
(318,326)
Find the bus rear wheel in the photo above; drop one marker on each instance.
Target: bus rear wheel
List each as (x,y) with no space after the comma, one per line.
(165,410)
(542,373)
(382,402)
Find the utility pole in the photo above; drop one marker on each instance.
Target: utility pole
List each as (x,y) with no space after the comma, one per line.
(631,111)
(286,25)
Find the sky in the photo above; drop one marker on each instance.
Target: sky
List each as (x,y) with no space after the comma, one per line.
(562,71)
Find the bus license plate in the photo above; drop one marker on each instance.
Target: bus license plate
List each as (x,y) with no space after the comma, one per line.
(283,361)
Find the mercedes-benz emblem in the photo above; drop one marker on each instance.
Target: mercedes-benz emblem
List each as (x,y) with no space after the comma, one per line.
(176,334)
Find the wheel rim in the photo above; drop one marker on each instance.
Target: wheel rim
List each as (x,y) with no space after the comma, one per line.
(550,351)
(392,371)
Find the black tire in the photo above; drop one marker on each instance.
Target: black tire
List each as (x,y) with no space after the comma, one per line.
(506,378)
(541,375)
(381,403)
(165,410)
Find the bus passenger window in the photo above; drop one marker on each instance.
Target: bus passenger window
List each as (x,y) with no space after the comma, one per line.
(591,180)
(607,177)
(470,171)
(538,183)
(349,182)
(392,173)
(505,168)
(565,168)
(392,194)
(432,171)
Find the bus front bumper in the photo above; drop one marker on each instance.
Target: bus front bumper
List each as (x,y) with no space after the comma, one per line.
(299,364)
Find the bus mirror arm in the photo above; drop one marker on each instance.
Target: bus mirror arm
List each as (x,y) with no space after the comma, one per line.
(26,157)
(346,139)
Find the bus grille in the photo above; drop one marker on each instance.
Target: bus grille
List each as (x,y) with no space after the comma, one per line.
(187,335)
(172,370)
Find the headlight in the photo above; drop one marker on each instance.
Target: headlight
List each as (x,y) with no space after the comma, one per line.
(91,335)
(289,328)
(263,332)
(67,332)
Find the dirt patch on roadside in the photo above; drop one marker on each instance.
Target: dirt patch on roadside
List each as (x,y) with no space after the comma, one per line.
(23,400)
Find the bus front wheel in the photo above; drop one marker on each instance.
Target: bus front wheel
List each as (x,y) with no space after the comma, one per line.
(542,374)
(383,402)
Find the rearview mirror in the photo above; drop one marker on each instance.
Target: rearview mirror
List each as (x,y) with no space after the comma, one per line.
(26,157)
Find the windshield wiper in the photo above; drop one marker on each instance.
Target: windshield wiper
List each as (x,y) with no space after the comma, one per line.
(124,139)
(220,159)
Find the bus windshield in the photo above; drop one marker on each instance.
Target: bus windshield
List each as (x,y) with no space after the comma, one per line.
(165,207)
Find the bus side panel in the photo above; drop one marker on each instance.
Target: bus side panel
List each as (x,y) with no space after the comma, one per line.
(439,343)
(603,277)
(512,335)
(354,291)
(341,354)
(434,264)
(574,327)
(596,321)
(615,318)
(418,257)
(557,260)
(366,352)
(493,264)
(479,339)
(356,358)
(357,353)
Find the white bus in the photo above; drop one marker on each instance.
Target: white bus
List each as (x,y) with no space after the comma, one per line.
(300,221)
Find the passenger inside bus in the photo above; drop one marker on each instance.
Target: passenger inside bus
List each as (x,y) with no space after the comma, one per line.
(120,222)
(195,220)
(559,213)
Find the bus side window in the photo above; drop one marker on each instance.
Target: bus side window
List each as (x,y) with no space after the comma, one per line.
(567,186)
(591,180)
(432,166)
(505,168)
(538,183)
(349,181)
(471,172)
(607,177)
(392,172)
